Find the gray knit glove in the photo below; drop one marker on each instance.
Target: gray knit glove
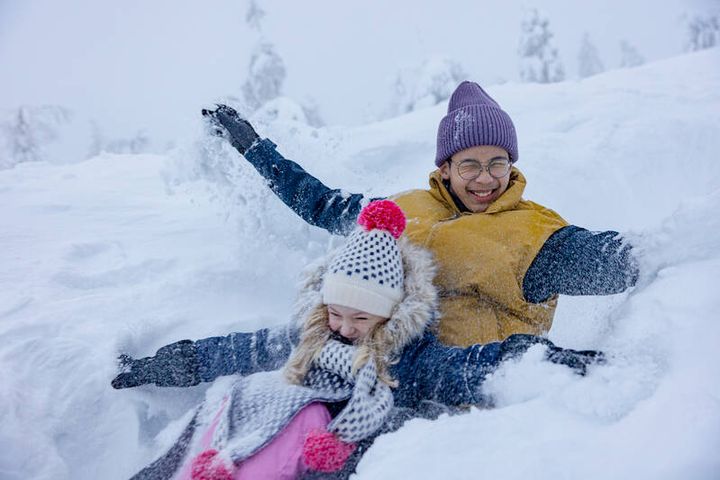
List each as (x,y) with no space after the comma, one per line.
(228,123)
(174,365)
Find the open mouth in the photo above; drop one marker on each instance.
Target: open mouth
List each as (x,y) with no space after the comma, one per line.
(340,338)
(481,195)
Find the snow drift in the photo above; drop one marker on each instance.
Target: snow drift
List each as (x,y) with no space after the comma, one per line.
(130,252)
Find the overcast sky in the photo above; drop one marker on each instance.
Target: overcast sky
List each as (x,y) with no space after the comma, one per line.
(142,64)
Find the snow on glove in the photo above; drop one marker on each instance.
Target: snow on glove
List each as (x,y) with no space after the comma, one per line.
(516,345)
(173,365)
(229,124)
(578,360)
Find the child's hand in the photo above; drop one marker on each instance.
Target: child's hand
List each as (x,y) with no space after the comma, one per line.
(228,123)
(174,365)
(133,372)
(578,360)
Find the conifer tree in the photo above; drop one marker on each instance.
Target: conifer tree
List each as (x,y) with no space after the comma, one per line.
(539,59)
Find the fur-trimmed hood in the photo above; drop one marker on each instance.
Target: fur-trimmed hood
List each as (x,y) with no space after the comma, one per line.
(417,310)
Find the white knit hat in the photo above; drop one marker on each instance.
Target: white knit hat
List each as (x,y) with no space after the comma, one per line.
(367,273)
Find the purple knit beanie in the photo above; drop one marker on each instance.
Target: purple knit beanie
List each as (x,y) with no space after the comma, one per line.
(474,119)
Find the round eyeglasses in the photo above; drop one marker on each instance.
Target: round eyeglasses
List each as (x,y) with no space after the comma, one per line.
(472,169)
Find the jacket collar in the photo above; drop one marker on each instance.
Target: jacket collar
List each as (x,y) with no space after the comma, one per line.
(507,201)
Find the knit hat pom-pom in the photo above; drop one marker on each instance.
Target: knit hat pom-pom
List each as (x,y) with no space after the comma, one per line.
(383,215)
(208,466)
(324,452)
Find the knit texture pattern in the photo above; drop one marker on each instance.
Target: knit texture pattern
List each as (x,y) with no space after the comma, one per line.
(209,466)
(383,215)
(325,452)
(264,403)
(367,274)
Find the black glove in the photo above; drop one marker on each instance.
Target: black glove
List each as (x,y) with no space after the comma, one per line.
(516,345)
(174,365)
(578,360)
(229,124)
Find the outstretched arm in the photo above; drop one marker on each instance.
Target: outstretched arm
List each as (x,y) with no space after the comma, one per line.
(453,376)
(331,209)
(187,363)
(245,353)
(575,261)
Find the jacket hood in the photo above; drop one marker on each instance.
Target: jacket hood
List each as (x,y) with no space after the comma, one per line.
(409,319)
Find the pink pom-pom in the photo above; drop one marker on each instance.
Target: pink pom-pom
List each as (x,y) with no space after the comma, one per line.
(324,452)
(383,215)
(208,466)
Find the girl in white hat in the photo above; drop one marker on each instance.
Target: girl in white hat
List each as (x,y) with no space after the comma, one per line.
(359,354)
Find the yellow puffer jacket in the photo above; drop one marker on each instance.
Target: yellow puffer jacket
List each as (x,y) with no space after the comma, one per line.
(482,260)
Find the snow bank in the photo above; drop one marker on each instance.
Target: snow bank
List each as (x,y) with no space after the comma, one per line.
(130,252)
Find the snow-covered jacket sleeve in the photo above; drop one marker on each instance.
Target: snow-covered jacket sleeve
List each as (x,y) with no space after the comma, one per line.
(575,261)
(245,353)
(452,376)
(331,209)
(429,371)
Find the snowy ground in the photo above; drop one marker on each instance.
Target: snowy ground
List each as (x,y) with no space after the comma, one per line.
(128,253)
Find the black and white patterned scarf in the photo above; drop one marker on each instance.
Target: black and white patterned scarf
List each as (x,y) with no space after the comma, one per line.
(262,404)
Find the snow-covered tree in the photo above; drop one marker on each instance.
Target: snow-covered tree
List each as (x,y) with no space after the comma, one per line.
(589,62)
(254,15)
(629,56)
(21,139)
(266,70)
(138,143)
(266,78)
(27,132)
(539,60)
(426,85)
(703,31)
(312,113)
(266,75)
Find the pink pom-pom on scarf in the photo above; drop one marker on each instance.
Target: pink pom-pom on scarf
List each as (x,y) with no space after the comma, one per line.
(208,466)
(383,215)
(325,452)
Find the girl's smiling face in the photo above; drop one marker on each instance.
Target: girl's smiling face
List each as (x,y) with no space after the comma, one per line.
(351,323)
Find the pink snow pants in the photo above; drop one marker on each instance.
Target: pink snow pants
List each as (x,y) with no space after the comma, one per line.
(281,459)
